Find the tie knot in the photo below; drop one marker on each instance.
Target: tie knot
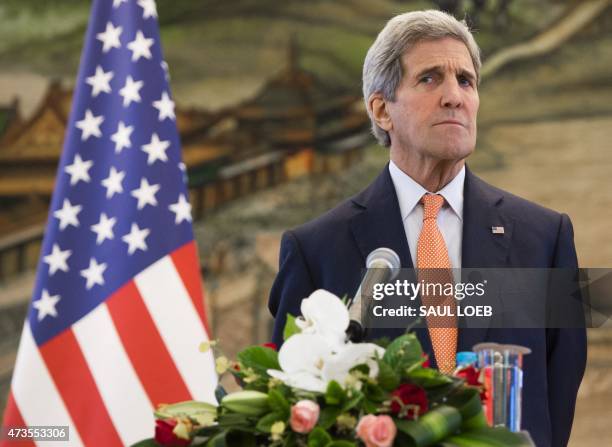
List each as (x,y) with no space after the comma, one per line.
(431,205)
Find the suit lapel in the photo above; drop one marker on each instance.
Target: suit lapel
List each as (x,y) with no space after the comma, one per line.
(380,224)
(481,248)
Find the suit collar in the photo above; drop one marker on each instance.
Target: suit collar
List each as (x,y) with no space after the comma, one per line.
(409,192)
(379,224)
(483,211)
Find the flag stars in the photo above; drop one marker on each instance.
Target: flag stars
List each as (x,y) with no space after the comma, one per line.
(110,37)
(182,210)
(90,125)
(156,149)
(104,228)
(79,170)
(149,9)
(57,259)
(113,183)
(100,81)
(45,305)
(140,47)
(165,106)
(121,138)
(67,215)
(117,3)
(145,194)
(131,91)
(94,274)
(136,239)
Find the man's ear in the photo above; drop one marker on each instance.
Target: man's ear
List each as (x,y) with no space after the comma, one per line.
(378,107)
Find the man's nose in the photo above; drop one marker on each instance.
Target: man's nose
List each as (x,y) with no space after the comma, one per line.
(451,94)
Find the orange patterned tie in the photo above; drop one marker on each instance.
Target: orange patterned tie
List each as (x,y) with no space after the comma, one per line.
(434,269)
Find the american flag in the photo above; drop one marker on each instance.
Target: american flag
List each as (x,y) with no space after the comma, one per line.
(117,312)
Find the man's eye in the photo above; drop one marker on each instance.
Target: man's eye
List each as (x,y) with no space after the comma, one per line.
(465,82)
(428,79)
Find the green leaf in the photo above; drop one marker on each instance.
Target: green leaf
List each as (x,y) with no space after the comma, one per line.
(265,423)
(353,401)
(388,378)
(259,358)
(369,406)
(147,443)
(403,352)
(374,392)
(228,420)
(208,432)
(433,426)
(467,401)
(428,378)
(218,441)
(475,422)
(489,437)
(318,437)
(328,416)
(438,394)
(334,395)
(290,327)
(341,443)
(278,403)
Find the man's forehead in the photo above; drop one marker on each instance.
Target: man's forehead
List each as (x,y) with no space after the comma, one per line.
(447,53)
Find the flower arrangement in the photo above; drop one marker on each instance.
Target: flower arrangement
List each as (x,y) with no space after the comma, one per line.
(319,390)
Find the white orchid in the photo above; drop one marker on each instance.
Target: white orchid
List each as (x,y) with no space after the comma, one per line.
(320,353)
(325,314)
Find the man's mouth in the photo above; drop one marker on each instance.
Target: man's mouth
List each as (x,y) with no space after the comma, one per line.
(450,122)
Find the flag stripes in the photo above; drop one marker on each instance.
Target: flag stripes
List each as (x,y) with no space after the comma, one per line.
(169,305)
(119,386)
(145,348)
(126,357)
(33,382)
(185,259)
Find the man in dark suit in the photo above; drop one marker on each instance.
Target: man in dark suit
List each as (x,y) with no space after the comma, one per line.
(421,90)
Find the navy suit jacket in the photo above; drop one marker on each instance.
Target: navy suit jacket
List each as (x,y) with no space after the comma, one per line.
(330,251)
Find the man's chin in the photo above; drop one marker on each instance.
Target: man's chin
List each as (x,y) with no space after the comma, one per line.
(452,153)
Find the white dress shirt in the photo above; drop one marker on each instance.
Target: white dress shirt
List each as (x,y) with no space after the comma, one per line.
(450,217)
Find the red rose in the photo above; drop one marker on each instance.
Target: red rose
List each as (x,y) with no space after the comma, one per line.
(470,374)
(409,401)
(165,436)
(426,362)
(270,345)
(472,377)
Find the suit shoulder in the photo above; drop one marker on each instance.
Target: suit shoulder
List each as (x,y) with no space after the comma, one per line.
(521,208)
(333,221)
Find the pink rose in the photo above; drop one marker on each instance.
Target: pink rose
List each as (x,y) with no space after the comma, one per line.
(304,416)
(376,431)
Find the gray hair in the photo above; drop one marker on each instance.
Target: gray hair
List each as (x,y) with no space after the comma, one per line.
(382,68)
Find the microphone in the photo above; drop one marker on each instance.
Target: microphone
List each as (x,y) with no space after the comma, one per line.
(382,265)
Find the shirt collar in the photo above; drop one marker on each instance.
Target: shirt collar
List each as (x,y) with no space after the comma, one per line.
(409,192)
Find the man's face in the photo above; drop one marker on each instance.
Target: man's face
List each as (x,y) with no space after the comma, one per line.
(434,112)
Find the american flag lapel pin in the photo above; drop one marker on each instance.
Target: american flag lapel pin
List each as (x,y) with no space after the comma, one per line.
(497,230)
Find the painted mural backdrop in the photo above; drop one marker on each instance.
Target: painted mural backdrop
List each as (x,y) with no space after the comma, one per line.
(274,133)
